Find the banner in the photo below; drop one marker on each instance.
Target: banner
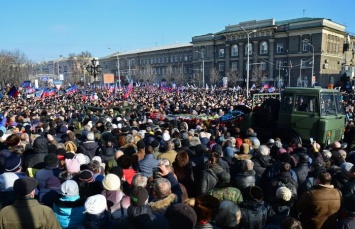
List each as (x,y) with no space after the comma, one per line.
(109,78)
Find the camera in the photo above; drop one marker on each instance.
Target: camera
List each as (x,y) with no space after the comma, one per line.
(156,171)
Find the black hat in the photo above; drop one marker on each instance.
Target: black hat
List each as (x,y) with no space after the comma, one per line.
(125,129)
(181,216)
(86,176)
(25,186)
(51,160)
(253,193)
(155,144)
(140,144)
(12,163)
(224,177)
(139,196)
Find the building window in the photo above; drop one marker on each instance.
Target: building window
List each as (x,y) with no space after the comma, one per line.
(185,58)
(263,47)
(234,50)
(279,47)
(234,66)
(250,49)
(221,67)
(221,53)
(279,64)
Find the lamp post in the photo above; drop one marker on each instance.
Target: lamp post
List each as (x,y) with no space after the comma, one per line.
(312,60)
(118,72)
(248,59)
(129,68)
(203,67)
(94,69)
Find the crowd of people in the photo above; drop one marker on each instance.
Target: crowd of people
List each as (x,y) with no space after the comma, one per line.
(70,162)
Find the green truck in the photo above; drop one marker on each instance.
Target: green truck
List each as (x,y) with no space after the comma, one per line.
(307,114)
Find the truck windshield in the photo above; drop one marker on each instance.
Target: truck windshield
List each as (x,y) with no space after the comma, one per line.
(331,104)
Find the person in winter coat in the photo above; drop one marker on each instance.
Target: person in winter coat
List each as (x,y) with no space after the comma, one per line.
(280,208)
(246,177)
(166,191)
(347,218)
(183,171)
(107,152)
(319,206)
(146,165)
(140,215)
(302,169)
(118,201)
(96,214)
(254,212)
(224,191)
(262,160)
(349,188)
(209,177)
(90,147)
(69,208)
(51,169)
(35,159)
(206,207)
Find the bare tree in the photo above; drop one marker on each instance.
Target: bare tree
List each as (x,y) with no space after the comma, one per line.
(179,75)
(232,77)
(169,72)
(149,73)
(214,76)
(258,75)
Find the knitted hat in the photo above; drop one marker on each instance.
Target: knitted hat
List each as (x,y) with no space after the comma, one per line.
(111,182)
(24,186)
(51,160)
(181,216)
(72,165)
(283,193)
(95,204)
(12,163)
(53,182)
(70,188)
(139,196)
(86,176)
(70,146)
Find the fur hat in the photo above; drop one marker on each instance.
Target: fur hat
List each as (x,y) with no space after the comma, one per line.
(12,163)
(181,216)
(139,196)
(95,204)
(72,165)
(111,182)
(283,193)
(24,186)
(70,188)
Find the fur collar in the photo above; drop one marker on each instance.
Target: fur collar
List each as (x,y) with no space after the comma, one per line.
(163,203)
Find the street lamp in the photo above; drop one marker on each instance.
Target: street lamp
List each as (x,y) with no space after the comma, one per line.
(94,69)
(312,59)
(203,67)
(118,71)
(248,36)
(129,68)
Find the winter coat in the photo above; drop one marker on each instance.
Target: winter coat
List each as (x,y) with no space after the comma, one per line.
(28,213)
(89,148)
(142,218)
(69,211)
(347,223)
(261,162)
(43,174)
(302,171)
(254,214)
(117,203)
(319,207)
(35,160)
(160,205)
(170,155)
(348,189)
(245,179)
(97,221)
(106,154)
(283,179)
(278,211)
(145,166)
(209,178)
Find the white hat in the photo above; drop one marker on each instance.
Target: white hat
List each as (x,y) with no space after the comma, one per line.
(95,204)
(82,158)
(70,188)
(97,158)
(284,193)
(166,136)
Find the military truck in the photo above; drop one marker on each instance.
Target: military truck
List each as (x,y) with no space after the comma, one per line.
(306,114)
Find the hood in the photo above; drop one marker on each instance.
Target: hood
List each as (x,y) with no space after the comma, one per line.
(164,203)
(216,168)
(40,145)
(108,152)
(264,160)
(90,145)
(140,216)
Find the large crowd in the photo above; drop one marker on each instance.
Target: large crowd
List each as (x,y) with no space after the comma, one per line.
(67,161)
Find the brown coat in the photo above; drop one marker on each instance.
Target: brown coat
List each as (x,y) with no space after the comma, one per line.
(319,207)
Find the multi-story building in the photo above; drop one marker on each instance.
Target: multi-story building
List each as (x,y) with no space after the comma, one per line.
(296,52)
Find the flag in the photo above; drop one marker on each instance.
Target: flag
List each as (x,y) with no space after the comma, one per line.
(30,90)
(266,86)
(271,89)
(26,84)
(13,92)
(39,93)
(129,90)
(253,86)
(83,95)
(207,86)
(92,96)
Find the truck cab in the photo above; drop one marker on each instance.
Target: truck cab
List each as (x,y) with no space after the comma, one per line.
(306,114)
